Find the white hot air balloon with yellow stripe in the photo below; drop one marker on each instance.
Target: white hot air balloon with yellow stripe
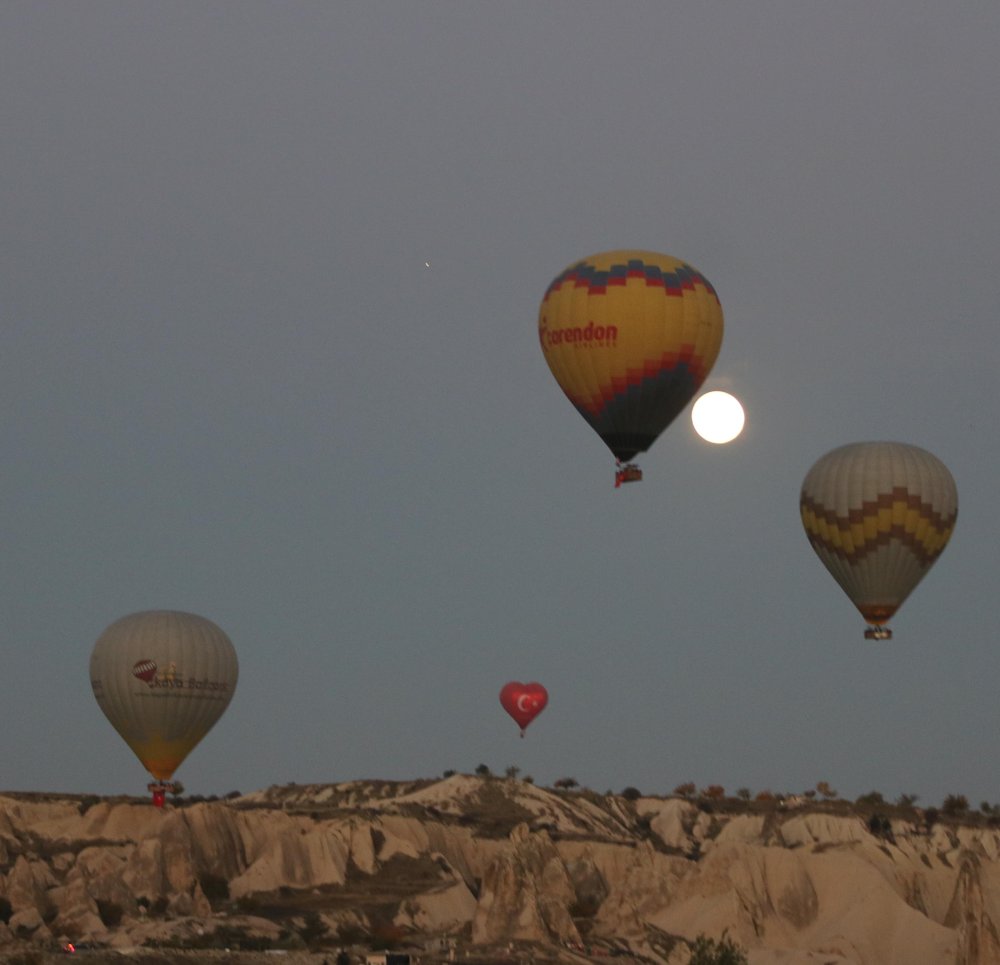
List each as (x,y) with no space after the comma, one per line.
(878,515)
(163,678)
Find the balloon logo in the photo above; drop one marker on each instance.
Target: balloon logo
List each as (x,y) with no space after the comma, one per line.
(145,670)
(878,515)
(524,702)
(630,337)
(163,716)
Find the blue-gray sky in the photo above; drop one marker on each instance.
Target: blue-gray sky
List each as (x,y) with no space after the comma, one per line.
(231,385)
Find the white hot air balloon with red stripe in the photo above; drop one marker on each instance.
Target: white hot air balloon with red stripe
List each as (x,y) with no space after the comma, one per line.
(163,678)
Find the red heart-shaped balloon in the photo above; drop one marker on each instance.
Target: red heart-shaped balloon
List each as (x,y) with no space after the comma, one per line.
(524,702)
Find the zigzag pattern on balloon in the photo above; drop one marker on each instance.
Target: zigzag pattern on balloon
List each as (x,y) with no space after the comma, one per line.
(898,515)
(683,365)
(630,358)
(598,280)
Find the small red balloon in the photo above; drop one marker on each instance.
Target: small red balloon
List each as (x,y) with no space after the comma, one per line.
(524,702)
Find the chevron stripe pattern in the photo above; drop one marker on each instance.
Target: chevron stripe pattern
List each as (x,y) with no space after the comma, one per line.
(897,515)
(878,515)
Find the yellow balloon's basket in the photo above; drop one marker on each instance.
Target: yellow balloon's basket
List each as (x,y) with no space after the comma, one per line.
(627,473)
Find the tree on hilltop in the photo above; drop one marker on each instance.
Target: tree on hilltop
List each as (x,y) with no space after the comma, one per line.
(708,951)
(881,827)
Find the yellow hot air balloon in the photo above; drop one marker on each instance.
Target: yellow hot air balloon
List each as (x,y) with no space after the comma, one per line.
(630,337)
(878,514)
(163,678)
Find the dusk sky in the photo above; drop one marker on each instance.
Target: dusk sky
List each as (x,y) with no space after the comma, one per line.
(270,286)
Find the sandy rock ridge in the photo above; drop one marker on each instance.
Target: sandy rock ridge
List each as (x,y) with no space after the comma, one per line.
(480,864)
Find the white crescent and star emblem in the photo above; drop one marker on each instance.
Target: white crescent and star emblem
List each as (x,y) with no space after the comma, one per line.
(524,702)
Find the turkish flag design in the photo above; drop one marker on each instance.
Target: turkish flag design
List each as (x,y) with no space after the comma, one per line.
(524,702)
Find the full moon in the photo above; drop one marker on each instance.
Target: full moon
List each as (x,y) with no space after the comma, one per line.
(718,417)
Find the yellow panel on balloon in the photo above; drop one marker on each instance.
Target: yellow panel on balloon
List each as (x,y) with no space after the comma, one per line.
(162,758)
(630,337)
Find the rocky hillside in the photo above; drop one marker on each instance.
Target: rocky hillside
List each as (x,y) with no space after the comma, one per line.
(489,869)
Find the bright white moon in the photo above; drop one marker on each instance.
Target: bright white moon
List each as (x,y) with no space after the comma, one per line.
(718,417)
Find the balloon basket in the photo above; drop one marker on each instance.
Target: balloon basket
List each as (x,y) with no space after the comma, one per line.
(627,473)
(160,790)
(878,633)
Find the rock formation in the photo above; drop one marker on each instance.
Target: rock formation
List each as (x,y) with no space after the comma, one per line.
(490,864)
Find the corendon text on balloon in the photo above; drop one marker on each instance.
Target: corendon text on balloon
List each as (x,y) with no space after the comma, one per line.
(580,333)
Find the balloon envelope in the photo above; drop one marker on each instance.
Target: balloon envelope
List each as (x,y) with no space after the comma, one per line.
(878,514)
(524,702)
(630,337)
(163,678)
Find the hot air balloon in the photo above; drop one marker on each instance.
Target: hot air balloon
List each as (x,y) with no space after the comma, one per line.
(524,702)
(878,514)
(163,678)
(630,337)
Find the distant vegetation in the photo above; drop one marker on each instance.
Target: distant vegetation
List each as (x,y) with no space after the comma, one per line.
(875,809)
(708,951)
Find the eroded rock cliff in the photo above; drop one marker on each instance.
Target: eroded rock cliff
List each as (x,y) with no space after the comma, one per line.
(488,863)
